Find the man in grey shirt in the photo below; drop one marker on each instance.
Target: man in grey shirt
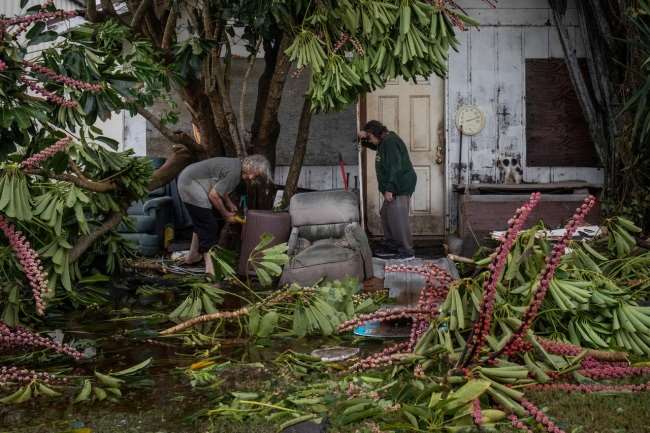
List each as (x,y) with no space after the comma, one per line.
(204,187)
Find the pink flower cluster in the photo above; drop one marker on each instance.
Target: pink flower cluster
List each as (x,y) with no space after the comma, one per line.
(35,161)
(15,375)
(71,82)
(382,315)
(380,359)
(3,66)
(541,417)
(558,347)
(52,97)
(20,337)
(29,261)
(591,362)
(515,344)
(614,372)
(482,325)
(518,424)
(597,387)
(477,415)
(25,21)
(436,287)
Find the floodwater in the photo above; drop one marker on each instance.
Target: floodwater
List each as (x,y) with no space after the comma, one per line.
(163,400)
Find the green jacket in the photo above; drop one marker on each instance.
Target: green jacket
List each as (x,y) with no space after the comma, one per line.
(393,166)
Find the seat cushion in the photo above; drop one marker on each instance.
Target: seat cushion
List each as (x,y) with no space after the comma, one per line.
(324,259)
(147,245)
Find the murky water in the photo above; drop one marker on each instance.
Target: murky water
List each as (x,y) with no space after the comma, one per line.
(163,401)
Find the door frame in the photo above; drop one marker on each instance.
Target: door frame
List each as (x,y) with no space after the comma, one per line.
(361,118)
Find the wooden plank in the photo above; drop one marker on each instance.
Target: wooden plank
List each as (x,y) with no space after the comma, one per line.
(510,88)
(537,174)
(510,4)
(556,132)
(458,93)
(483,64)
(536,42)
(510,17)
(560,185)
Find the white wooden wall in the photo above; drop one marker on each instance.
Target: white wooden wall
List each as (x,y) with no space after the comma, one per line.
(489,71)
(12,7)
(318,177)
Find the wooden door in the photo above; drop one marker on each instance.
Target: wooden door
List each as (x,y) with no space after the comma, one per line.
(416,113)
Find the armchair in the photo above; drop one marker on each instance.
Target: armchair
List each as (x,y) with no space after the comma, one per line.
(326,240)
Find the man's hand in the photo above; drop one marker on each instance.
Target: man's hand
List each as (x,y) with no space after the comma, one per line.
(388,196)
(231,217)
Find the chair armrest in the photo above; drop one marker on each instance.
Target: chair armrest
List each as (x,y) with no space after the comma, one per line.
(155,203)
(292,243)
(358,240)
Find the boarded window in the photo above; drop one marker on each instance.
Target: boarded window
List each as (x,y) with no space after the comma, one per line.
(556,130)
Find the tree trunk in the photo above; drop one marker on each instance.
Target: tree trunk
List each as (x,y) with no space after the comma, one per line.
(179,159)
(266,127)
(298,152)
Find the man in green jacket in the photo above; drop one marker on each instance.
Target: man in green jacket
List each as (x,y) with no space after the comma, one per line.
(396,178)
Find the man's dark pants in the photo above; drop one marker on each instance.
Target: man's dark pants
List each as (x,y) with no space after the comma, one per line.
(395,221)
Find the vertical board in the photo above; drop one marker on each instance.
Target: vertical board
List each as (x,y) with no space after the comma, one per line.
(484,90)
(489,71)
(509,116)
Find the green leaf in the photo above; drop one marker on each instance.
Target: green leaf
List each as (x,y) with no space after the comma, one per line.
(268,324)
(264,277)
(133,369)
(253,322)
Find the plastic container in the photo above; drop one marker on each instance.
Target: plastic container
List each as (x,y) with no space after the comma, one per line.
(259,222)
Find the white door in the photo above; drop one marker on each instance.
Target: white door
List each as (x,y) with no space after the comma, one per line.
(416,113)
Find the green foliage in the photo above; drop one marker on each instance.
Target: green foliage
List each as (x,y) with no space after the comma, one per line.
(268,262)
(356,47)
(69,195)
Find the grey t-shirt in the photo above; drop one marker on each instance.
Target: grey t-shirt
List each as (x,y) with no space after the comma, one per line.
(195,182)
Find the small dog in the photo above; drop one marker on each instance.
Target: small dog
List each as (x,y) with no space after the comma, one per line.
(511,172)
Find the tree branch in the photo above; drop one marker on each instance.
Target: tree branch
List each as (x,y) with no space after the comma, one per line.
(139,14)
(580,86)
(175,137)
(242,97)
(80,180)
(299,151)
(84,242)
(170,29)
(91,11)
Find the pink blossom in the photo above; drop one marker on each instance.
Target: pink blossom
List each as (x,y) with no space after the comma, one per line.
(19,337)
(52,97)
(518,424)
(483,322)
(477,416)
(29,261)
(49,73)
(3,66)
(35,161)
(541,417)
(552,262)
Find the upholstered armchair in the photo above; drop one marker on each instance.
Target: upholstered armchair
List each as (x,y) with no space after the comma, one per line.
(326,240)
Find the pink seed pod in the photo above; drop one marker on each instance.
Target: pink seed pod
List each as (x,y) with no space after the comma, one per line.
(512,347)
(29,261)
(484,320)
(35,161)
(76,84)
(22,338)
(52,97)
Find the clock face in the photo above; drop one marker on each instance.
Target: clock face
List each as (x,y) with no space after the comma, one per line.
(470,120)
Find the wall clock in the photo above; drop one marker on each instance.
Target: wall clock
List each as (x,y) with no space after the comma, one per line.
(470,120)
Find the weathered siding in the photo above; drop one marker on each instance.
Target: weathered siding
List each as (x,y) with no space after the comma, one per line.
(12,7)
(489,71)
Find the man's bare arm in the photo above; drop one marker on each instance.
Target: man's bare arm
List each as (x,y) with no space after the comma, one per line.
(229,204)
(218,203)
